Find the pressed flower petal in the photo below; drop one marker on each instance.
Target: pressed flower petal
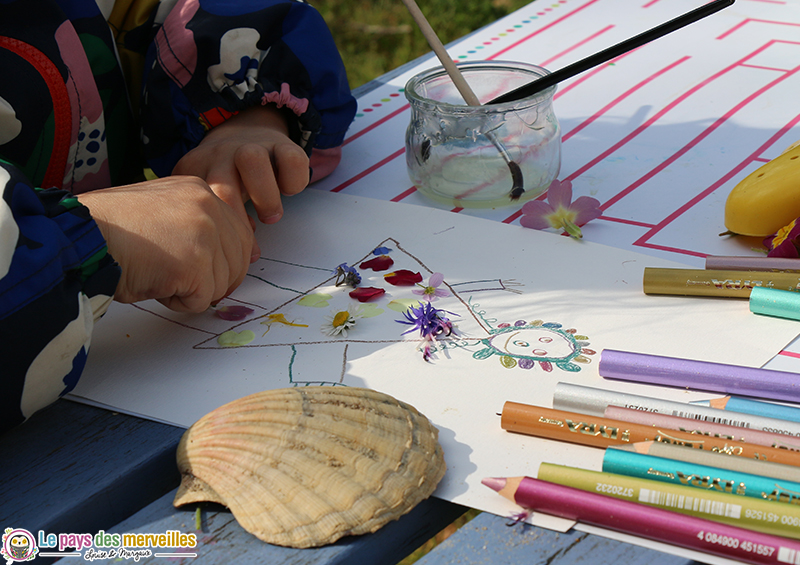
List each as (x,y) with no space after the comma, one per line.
(235,339)
(534,222)
(233,313)
(403,277)
(381,251)
(436,279)
(586,209)
(380,263)
(365,293)
(559,194)
(537,208)
(785,242)
(787,249)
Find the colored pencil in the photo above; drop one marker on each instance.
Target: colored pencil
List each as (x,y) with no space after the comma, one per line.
(752,407)
(590,400)
(717,479)
(723,284)
(730,263)
(703,427)
(759,515)
(699,375)
(776,303)
(650,523)
(595,431)
(711,459)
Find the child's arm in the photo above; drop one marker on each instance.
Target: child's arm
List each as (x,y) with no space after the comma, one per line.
(172,239)
(56,278)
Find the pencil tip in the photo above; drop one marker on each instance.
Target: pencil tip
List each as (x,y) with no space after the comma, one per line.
(496,484)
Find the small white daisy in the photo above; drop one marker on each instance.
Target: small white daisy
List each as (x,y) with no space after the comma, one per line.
(339,322)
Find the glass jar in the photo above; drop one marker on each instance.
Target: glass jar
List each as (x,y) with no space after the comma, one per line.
(459,155)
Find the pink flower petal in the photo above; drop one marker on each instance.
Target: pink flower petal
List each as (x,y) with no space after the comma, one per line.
(402,277)
(586,209)
(380,263)
(559,194)
(436,279)
(537,207)
(536,215)
(365,293)
(534,222)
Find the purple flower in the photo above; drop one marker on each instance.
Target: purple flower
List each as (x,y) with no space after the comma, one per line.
(431,323)
(560,212)
(432,291)
(785,242)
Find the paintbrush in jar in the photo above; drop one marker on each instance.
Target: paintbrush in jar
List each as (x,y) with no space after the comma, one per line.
(517,187)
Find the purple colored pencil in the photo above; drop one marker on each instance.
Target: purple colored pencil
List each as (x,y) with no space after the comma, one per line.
(731,263)
(699,375)
(647,522)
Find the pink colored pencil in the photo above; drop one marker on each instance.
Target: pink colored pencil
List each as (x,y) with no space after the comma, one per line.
(747,435)
(647,522)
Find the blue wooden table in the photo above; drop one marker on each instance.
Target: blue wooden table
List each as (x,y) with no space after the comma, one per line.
(77,469)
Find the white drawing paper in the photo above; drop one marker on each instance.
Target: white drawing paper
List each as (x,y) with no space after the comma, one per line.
(531,308)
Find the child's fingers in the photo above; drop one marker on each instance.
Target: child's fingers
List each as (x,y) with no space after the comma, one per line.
(227,185)
(255,168)
(291,164)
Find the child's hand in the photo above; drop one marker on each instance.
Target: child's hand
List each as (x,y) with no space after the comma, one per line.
(175,241)
(250,157)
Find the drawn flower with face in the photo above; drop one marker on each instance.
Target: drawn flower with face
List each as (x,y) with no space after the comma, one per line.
(785,242)
(432,291)
(337,323)
(560,212)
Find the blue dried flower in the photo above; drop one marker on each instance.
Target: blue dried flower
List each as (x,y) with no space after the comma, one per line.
(347,276)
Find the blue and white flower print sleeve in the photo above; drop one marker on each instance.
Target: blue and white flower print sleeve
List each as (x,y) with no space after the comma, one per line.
(56,279)
(213,58)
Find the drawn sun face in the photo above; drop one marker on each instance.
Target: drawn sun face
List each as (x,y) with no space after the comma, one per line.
(525,345)
(539,343)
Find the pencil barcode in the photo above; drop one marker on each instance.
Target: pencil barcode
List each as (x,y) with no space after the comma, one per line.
(788,555)
(693,503)
(714,419)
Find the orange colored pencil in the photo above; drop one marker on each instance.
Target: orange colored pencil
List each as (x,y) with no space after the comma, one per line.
(603,432)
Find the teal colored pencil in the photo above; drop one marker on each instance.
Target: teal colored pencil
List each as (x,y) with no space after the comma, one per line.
(699,476)
(774,302)
(753,407)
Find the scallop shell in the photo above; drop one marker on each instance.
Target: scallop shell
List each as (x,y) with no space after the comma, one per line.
(302,467)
